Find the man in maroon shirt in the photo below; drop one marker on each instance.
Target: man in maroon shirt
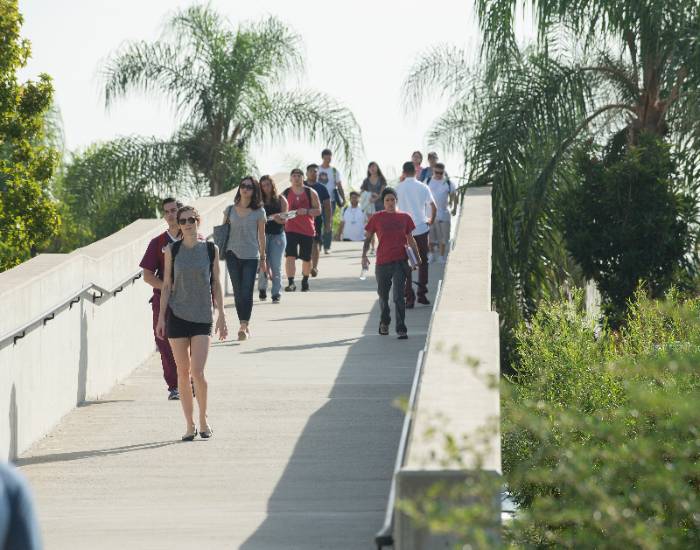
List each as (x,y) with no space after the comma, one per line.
(153,264)
(393,228)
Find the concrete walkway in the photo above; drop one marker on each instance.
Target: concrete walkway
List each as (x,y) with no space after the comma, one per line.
(305,435)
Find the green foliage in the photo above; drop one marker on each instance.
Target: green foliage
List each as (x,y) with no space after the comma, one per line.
(226,87)
(600,439)
(28,216)
(627,222)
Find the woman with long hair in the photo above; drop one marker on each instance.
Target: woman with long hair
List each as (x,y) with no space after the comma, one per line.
(371,198)
(190,278)
(245,251)
(275,239)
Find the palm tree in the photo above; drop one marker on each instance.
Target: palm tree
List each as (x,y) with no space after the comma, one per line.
(599,69)
(226,88)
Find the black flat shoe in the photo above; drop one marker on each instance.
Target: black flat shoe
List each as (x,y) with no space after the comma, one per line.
(206,433)
(190,436)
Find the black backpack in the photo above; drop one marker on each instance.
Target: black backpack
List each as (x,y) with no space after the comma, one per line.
(175,248)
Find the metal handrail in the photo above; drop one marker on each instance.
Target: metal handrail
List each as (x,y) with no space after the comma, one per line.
(98,297)
(385,536)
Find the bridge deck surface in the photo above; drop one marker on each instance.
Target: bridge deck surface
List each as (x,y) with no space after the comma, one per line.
(305,435)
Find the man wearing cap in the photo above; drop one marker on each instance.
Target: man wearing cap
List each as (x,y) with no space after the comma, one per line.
(332,178)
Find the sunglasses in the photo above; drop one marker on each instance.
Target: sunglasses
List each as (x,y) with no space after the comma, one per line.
(439,173)
(190,220)
(247,186)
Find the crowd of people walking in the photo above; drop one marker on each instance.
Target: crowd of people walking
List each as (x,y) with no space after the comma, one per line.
(405,228)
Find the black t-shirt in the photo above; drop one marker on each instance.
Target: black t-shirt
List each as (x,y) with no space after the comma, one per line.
(272,227)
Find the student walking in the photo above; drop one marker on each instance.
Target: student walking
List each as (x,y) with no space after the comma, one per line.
(300,229)
(393,228)
(153,265)
(417,159)
(352,221)
(330,176)
(414,197)
(275,238)
(191,277)
(325,220)
(245,248)
(373,185)
(443,191)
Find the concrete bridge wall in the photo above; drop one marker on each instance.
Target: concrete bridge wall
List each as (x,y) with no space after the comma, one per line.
(86,349)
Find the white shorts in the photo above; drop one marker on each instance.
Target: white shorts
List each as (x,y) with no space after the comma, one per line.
(440,232)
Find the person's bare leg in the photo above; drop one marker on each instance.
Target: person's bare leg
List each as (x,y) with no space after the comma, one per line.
(199,350)
(181,353)
(305,268)
(290,266)
(315,254)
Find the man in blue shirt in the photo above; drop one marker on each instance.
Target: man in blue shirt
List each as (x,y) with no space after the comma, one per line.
(323,222)
(18,525)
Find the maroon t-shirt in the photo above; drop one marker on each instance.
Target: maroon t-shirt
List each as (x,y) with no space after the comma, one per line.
(391,228)
(154,258)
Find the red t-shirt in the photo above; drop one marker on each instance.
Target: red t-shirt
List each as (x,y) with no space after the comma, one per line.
(391,228)
(300,224)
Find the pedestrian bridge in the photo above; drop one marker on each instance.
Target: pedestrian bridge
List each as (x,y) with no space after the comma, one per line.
(306,424)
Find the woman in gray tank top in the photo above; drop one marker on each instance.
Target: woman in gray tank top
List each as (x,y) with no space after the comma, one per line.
(191,274)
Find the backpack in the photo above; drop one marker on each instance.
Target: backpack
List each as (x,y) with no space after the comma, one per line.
(210,250)
(308,194)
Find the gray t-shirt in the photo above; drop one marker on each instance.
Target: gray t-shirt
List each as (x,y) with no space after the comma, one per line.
(191,296)
(243,233)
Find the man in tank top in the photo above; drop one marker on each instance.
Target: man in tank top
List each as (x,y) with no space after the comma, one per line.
(300,229)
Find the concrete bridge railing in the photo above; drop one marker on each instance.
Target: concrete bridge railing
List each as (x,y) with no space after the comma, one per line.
(74,325)
(453,398)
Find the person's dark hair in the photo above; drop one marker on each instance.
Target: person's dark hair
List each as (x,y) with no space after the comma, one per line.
(167,200)
(432,155)
(354,193)
(296,171)
(409,168)
(256,197)
(311,166)
(389,191)
(419,154)
(439,166)
(326,152)
(274,197)
(382,179)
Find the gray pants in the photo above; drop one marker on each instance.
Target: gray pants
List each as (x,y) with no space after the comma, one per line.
(395,274)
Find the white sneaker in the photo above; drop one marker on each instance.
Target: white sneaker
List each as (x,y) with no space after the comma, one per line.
(442,260)
(431,258)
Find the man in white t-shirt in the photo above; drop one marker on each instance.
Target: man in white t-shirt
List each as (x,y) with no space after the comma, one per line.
(414,198)
(352,222)
(443,191)
(331,177)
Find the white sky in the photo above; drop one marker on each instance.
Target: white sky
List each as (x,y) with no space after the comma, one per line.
(357,51)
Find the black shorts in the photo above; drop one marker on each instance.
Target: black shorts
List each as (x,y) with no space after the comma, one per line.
(319,229)
(299,246)
(179,328)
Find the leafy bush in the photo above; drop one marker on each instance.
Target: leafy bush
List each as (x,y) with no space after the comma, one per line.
(628,221)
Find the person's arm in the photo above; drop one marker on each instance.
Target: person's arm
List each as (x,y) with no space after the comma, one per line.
(413,244)
(165,293)
(365,247)
(261,244)
(433,207)
(327,218)
(150,278)
(221,329)
(315,209)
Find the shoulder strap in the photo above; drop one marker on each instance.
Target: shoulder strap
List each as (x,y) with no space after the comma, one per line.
(427,182)
(308,196)
(212,254)
(286,192)
(335,174)
(174,249)
(162,241)
(228,214)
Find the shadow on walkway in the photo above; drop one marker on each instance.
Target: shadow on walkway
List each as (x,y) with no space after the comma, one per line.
(333,491)
(78,455)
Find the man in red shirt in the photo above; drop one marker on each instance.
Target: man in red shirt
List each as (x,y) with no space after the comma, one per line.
(393,228)
(153,264)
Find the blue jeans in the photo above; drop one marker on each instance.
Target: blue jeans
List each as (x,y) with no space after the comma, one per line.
(274,250)
(242,273)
